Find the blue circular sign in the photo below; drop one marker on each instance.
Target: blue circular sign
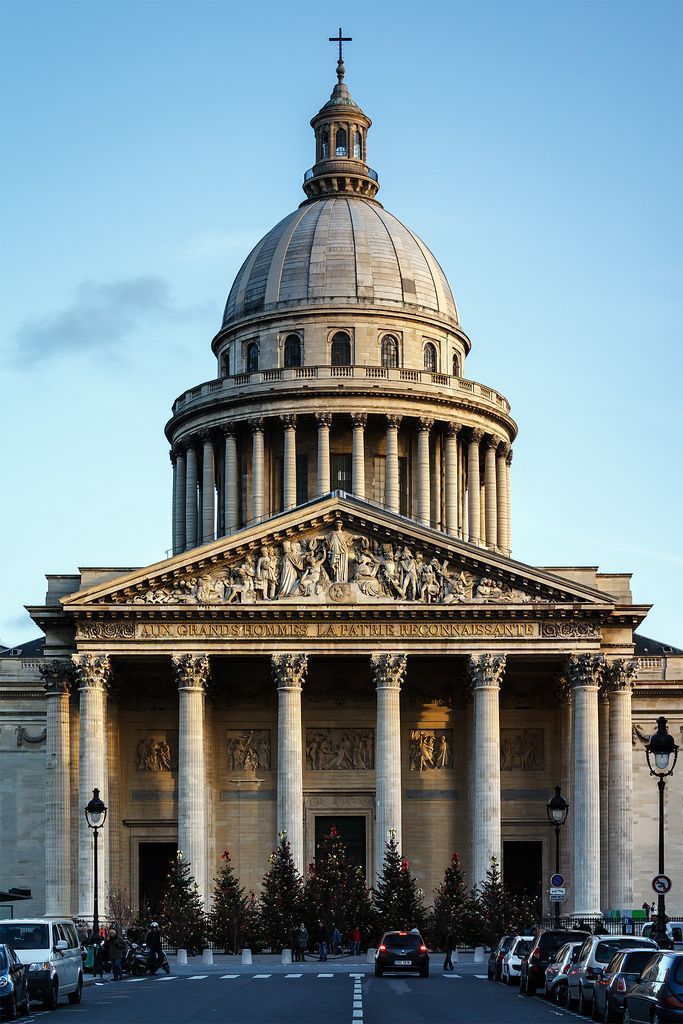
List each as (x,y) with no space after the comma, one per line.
(556,881)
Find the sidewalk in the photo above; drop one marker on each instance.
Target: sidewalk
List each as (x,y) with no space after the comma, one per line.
(270,963)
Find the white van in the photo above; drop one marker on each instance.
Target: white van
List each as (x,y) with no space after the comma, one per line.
(674,929)
(52,951)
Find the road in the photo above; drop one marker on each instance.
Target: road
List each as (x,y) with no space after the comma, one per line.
(315,995)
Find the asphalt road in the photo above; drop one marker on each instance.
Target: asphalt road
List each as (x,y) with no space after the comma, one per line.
(318,997)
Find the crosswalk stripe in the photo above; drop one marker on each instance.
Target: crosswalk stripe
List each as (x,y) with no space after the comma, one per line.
(326,975)
(484,977)
(262,976)
(293,975)
(197,977)
(450,975)
(169,977)
(224,977)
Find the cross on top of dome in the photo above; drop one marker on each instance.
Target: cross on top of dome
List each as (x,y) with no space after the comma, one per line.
(340,62)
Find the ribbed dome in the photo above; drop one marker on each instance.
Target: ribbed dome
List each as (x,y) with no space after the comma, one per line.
(342,249)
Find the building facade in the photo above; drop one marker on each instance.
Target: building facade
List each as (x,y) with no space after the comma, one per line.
(341,633)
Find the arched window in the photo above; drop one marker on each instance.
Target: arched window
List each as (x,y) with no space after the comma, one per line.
(341,349)
(252,357)
(430,357)
(456,365)
(324,144)
(389,351)
(292,350)
(340,143)
(225,364)
(357,146)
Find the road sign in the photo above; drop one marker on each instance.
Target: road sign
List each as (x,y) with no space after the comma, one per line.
(556,881)
(661,884)
(557,893)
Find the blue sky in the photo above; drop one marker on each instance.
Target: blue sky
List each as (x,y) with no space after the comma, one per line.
(535,146)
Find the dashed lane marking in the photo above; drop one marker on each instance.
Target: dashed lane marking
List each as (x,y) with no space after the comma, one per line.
(259,976)
(293,975)
(228,977)
(197,977)
(168,977)
(326,975)
(483,977)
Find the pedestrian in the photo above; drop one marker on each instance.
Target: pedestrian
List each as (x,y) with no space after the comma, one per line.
(154,943)
(115,950)
(322,940)
(301,942)
(450,946)
(336,940)
(646,910)
(354,941)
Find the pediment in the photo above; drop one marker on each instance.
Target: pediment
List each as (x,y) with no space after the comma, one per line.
(337,551)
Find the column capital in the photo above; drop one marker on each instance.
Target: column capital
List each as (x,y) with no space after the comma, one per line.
(93,671)
(453,428)
(228,429)
(425,423)
(503,449)
(58,677)
(256,424)
(173,455)
(359,419)
(491,441)
(206,435)
(476,435)
(179,447)
(394,420)
(388,670)
(620,675)
(563,690)
(289,670)
(486,670)
(585,670)
(288,422)
(323,419)
(508,457)
(191,672)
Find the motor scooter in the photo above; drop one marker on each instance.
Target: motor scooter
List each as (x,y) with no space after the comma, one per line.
(145,962)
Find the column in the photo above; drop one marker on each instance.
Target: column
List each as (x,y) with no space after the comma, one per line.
(208,488)
(392,498)
(452,478)
(289,672)
(473,486)
(93,673)
(230,500)
(179,500)
(388,671)
(289,474)
(359,420)
(192,678)
(491,443)
(620,676)
(604,754)
(508,511)
(486,672)
(191,496)
(424,498)
(258,496)
(174,498)
(501,491)
(584,672)
(324,422)
(57,677)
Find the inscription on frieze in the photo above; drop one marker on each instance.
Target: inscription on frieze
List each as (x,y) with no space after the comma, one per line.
(248,750)
(430,749)
(340,749)
(522,750)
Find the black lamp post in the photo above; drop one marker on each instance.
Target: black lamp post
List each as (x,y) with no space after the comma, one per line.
(558,809)
(95,815)
(659,752)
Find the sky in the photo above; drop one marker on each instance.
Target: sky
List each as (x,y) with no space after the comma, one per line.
(146,146)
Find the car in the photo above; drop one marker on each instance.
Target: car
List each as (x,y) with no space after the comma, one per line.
(657,996)
(402,951)
(620,975)
(556,972)
(546,944)
(496,957)
(52,952)
(14,996)
(511,965)
(674,930)
(594,956)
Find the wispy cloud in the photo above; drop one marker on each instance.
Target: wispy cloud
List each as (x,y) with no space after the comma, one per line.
(100,317)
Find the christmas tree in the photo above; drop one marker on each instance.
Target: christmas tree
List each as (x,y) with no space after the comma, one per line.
(335,891)
(499,911)
(454,907)
(183,921)
(398,900)
(281,898)
(228,918)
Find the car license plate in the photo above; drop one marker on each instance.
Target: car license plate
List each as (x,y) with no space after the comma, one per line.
(404,963)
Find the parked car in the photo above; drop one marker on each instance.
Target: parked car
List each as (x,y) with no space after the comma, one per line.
(546,944)
(620,975)
(52,952)
(496,957)
(657,996)
(594,956)
(402,951)
(556,972)
(511,965)
(13,983)
(674,929)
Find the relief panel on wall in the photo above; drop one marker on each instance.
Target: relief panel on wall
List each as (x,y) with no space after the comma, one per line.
(522,750)
(156,752)
(340,749)
(248,750)
(430,749)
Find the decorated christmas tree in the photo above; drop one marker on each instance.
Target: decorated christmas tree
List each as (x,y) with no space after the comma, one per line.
(281,898)
(228,917)
(398,900)
(183,922)
(335,892)
(454,907)
(500,911)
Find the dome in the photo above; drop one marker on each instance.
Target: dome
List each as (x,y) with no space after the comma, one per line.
(342,249)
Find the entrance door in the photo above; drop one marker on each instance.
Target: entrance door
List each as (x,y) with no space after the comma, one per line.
(352,830)
(154,860)
(523,869)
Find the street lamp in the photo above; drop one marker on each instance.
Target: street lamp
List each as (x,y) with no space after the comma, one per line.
(95,815)
(558,809)
(660,750)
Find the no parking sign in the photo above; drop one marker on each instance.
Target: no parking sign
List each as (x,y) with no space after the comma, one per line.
(661,884)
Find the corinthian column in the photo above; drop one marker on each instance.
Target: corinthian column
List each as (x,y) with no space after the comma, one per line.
(490,491)
(258,497)
(58,677)
(452,478)
(388,672)
(192,678)
(501,491)
(324,422)
(584,672)
(359,420)
(191,497)
(473,487)
(230,499)
(289,461)
(289,672)
(208,488)
(93,673)
(179,500)
(392,496)
(508,511)
(620,677)
(424,497)
(604,756)
(486,672)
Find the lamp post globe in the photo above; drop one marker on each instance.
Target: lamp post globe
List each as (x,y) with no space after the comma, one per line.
(557,809)
(95,816)
(661,753)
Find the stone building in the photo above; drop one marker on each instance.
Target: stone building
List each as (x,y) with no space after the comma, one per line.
(341,633)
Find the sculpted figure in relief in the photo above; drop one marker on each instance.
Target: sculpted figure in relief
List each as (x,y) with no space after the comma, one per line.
(430,749)
(339,749)
(522,750)
(248,750)
(153,755)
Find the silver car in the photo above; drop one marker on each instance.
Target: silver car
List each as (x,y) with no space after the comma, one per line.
(594,956)
(556,972)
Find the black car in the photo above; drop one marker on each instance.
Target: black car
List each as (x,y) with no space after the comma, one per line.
(402,951)
(620,975)
(13,983)
(546,944)
(657,996)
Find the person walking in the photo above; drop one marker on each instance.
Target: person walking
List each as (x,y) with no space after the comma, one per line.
(301,942)
(154,943)
(450,946)
(336,940)
(115,950)
(354,941)
(322,940)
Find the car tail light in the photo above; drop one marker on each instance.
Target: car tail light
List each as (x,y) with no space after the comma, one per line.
(537,953)
(423,949)
(621,985)
(592,973)
(382,948)
(672,1002)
